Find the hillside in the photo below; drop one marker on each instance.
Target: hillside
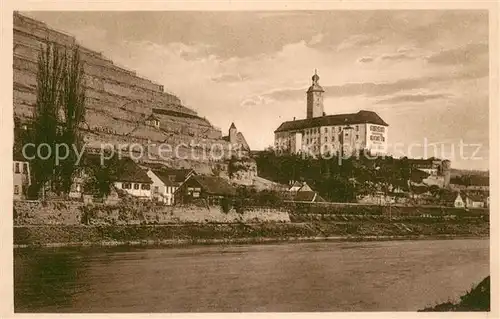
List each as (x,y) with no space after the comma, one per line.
(118,101)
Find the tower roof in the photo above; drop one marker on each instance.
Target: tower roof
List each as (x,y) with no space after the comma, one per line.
(232,126)
(315,87)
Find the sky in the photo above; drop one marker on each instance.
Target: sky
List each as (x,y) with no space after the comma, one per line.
(424,72)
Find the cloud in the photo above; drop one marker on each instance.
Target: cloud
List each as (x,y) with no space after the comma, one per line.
(463,55)
(357,41)
(397,57)
(255,101)
(230,78)
(412,98)
(367,59)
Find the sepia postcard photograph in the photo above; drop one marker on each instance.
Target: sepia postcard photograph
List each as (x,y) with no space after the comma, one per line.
(250,160)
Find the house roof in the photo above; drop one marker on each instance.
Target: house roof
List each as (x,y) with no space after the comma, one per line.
(214,185)
(337,119)
(308,196)
(17,155)
(305,196)
(172,177)
(129,171)
(305,188)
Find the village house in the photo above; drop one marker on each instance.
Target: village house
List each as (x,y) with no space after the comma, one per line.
(475,201)
(212,189)
(22,175)
(133,180)
(166,181)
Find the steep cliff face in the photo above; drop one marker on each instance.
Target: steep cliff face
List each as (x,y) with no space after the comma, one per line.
(119,103)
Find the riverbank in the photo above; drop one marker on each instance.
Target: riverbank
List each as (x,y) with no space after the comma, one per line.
(477,299)
(241,233)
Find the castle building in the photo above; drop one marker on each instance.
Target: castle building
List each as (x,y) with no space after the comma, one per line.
(321,134)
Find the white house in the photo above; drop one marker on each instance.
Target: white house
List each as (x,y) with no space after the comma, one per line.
(22,175)
(133,180)
(166,181)
(459,201)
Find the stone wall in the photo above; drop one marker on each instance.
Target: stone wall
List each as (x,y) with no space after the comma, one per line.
(75,213)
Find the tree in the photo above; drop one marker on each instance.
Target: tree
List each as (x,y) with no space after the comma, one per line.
(59,111)
(45,123)
(101,176)
(73,104)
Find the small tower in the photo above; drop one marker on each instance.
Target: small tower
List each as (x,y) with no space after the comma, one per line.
(315,98)
(232,133)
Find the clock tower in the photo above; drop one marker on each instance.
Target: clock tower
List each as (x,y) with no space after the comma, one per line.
(315,98)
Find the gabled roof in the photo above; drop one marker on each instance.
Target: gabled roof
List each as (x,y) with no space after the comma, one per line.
(305,188)
(214,185)
(129,171)
(329,120)
(17,155)
(172,177)
(308,196)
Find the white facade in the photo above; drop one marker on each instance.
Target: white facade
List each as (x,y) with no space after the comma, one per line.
(330,139)
(161,192)
(22,178)
(137,189)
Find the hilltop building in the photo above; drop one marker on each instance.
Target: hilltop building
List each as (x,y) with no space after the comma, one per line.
(236,139)
(319,133)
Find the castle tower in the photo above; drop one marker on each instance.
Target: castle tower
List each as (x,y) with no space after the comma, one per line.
(315,98)
(232,134)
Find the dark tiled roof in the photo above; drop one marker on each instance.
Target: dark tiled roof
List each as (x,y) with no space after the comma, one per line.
(232,126)
(172,177)
(129,171)
(305,196)
(337,119)
(215,185)
(17,155)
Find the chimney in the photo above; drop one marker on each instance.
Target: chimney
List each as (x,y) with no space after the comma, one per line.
(294,118)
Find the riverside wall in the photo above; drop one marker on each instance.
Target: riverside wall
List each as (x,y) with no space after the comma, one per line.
(61,223)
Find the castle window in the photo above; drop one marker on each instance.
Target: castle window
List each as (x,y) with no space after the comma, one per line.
(326,129)
(136,186)
(145,186)
(357,136)
(357,128)
(16,189)
(16,169)
(25,168)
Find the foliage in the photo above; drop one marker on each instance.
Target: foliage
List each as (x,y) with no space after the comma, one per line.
(101,175)
(338,179)
(59,110)
(247,196)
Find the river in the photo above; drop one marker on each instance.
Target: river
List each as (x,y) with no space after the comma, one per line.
(298,277)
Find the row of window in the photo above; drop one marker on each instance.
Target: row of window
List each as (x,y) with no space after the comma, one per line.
(379,129)
(17,168)
(170,189)
(332,139)
(135,186)
(379,138)
(327,129)
(18,189)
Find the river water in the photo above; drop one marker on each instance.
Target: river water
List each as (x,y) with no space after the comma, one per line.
(320,276)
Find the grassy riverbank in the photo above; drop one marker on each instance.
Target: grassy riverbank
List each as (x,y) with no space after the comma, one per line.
(477,299)
(68,235)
